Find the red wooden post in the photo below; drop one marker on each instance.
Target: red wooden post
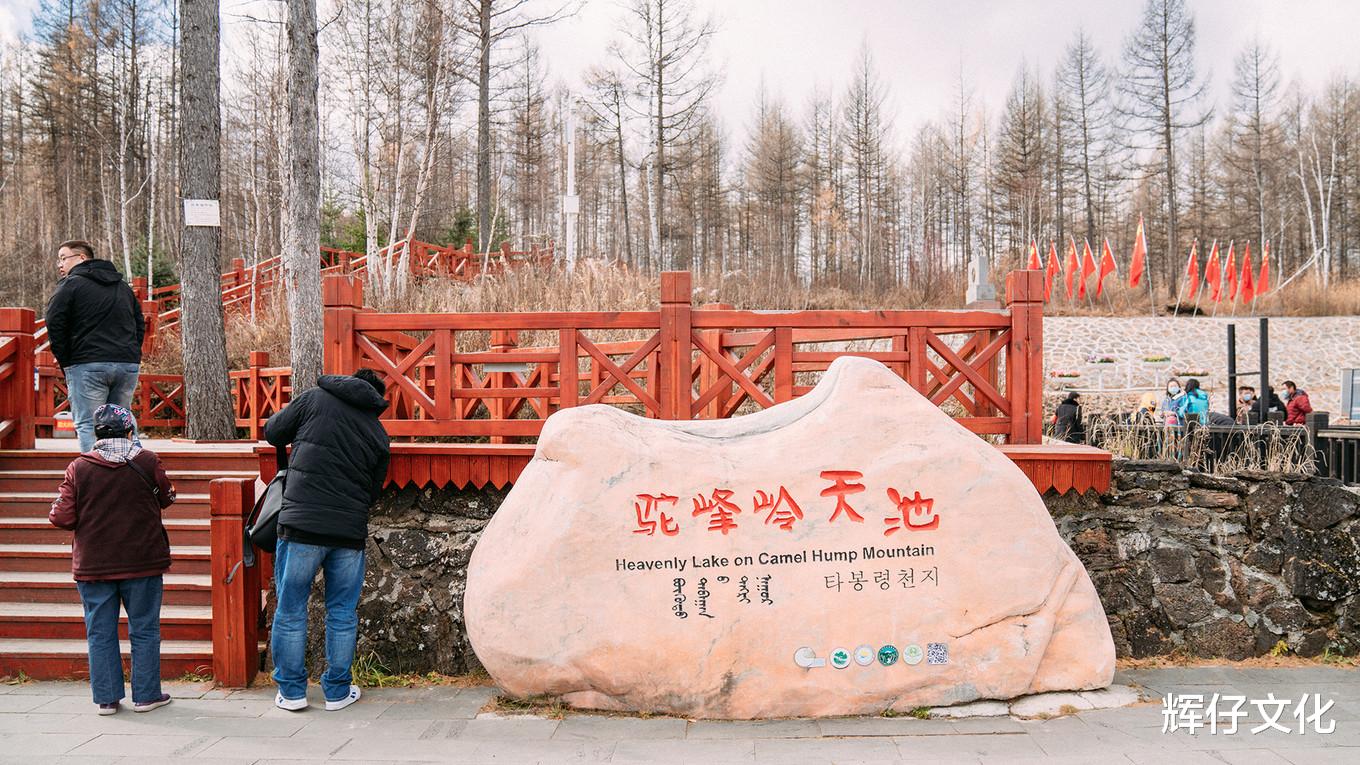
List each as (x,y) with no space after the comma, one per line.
(1025,356)
(235,588)
(151,316)
(238,271)
(344,261)
(341,296)
(139,287)
(16,392)
(677,340)
(254,403)
(783,364)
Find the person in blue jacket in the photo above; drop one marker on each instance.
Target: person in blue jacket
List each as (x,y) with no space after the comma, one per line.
(1195,401)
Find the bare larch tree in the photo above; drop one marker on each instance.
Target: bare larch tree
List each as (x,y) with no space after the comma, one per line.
(208,399)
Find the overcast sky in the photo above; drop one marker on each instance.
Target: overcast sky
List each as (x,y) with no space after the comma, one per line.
(919,46)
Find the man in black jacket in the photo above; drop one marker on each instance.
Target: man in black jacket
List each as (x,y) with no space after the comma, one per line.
(336,469)
(95,327)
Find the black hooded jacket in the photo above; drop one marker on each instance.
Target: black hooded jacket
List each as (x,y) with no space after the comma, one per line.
(338,462)
(94,316)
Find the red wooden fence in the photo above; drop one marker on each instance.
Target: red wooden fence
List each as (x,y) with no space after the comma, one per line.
(686,363)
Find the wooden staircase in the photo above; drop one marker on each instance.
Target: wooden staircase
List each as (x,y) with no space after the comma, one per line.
(42,628)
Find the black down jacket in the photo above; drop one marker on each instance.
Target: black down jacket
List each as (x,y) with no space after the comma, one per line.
(339,458)
(94,316)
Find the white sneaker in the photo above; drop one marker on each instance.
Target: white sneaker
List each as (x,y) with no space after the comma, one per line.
(354,694)
(292,705)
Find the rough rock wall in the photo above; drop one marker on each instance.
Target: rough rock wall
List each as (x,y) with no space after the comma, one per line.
(1217,566)
(1212,566)
(1310,351)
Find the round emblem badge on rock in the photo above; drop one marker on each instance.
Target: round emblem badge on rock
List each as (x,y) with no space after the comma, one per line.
(864,655)
(912,654)
(887,655)
(840,658)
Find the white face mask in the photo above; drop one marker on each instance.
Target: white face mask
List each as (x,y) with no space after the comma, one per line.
(1172,390)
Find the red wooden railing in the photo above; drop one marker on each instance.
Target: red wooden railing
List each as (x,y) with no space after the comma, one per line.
(16,378)
(686,363)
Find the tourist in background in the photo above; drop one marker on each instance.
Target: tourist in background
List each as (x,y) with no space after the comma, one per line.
(1168,410)
(112,497)
(1247,403)
(335,473)
(1194,402)
(1297,405)
(95,327)
(1067,422)
(1146,413)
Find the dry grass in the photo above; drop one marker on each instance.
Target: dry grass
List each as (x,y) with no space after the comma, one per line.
(1280,450)
(1303,297)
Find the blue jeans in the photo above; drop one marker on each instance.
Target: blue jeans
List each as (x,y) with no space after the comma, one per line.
(295,566)
(90,386)
(141,598)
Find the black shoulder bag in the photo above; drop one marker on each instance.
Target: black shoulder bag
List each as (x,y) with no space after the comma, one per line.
(262,527)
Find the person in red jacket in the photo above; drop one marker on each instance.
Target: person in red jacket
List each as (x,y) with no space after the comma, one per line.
(112,499)
(1297,405)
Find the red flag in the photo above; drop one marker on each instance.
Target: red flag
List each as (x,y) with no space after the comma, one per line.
(1139,263)
(1107,266)
(1263,283)
(1248,291)
(1230,274)
(1072,265)
(1088,266)
(1192,271)
(1213,274)
(1034,263)
(1054,268)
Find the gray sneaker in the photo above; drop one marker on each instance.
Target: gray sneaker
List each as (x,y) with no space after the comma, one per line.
(147,706)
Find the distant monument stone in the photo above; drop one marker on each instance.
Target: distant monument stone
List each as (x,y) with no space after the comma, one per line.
(980,293)
(850,551)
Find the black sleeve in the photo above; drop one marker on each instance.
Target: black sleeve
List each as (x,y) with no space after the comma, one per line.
(380,473)
(282,428)
(58,317)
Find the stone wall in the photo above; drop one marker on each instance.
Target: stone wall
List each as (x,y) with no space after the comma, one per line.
(1214,566)
(1310,351)
(1207,565)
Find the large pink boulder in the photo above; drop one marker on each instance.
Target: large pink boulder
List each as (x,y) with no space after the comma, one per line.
(851,551)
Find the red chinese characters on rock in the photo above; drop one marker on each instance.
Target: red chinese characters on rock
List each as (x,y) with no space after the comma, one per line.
(840,489)
(783,511)
(780,509)
(915,513)
(719,509)
(648,504)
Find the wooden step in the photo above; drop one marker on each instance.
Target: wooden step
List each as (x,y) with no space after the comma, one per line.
(57,557)
(57,587)
(36,504)
(66,621)
(185,481)
(191,532)
(43,659)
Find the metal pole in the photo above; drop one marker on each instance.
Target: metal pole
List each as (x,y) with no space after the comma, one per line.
(1232,371)
(1265,369)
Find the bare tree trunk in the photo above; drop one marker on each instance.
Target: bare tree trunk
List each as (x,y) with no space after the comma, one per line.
(302,198)
(484,127)
(206,392)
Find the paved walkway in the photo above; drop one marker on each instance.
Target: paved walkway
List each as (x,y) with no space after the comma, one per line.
(55,723)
